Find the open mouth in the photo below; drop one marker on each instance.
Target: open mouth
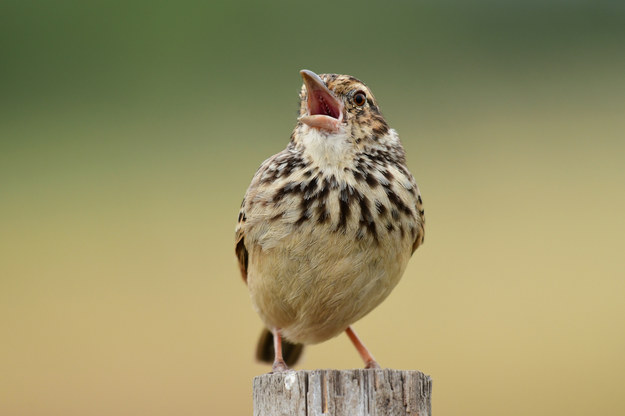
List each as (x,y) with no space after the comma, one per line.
(324,110)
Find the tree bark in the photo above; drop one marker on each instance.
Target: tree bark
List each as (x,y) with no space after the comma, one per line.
(343,393)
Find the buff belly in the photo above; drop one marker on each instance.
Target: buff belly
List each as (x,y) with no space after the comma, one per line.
(313,284)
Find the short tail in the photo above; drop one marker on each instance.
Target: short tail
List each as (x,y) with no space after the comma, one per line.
(265,352)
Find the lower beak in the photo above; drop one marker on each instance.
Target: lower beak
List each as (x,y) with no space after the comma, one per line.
(325,111)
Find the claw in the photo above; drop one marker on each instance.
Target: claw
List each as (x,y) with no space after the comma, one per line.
(279,366)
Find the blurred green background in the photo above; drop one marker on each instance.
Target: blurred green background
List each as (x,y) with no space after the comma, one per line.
(129,132)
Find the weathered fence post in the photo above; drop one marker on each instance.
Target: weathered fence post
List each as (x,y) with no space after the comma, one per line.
(343,393)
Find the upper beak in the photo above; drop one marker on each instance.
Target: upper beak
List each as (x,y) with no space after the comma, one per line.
(325,111)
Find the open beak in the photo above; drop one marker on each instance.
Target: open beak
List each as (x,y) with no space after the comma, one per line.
(324,110)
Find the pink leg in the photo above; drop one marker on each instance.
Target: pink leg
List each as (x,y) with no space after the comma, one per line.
(370,362)
(278,363)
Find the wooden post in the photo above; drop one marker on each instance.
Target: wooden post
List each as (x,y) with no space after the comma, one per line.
(343,393)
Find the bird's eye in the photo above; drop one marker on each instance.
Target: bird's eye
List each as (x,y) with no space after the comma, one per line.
(360,98)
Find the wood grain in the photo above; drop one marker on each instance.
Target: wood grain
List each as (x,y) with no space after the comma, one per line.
(343,393)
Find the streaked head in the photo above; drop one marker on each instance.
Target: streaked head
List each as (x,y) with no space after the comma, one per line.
(335,104)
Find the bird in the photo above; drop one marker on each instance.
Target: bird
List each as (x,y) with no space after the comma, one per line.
(327,225)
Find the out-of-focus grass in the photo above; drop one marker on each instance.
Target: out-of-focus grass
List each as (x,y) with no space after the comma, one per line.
(129,133)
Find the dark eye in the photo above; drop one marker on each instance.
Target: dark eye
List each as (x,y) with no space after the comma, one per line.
(360,98)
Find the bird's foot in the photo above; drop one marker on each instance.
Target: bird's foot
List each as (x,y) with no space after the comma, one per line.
(370,362)
(279,366)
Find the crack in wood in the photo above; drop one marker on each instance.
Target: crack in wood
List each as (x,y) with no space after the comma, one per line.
(343,393)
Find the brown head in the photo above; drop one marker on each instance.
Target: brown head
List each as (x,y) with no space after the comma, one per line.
(340,104)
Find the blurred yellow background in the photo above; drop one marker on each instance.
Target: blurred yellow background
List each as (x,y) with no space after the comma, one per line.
(129,133)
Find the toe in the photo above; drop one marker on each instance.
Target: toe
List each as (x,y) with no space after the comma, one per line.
(279,366)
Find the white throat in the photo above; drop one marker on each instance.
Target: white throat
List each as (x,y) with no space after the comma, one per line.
(328,151)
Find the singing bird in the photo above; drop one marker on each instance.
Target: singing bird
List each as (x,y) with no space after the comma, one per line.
(327,225)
